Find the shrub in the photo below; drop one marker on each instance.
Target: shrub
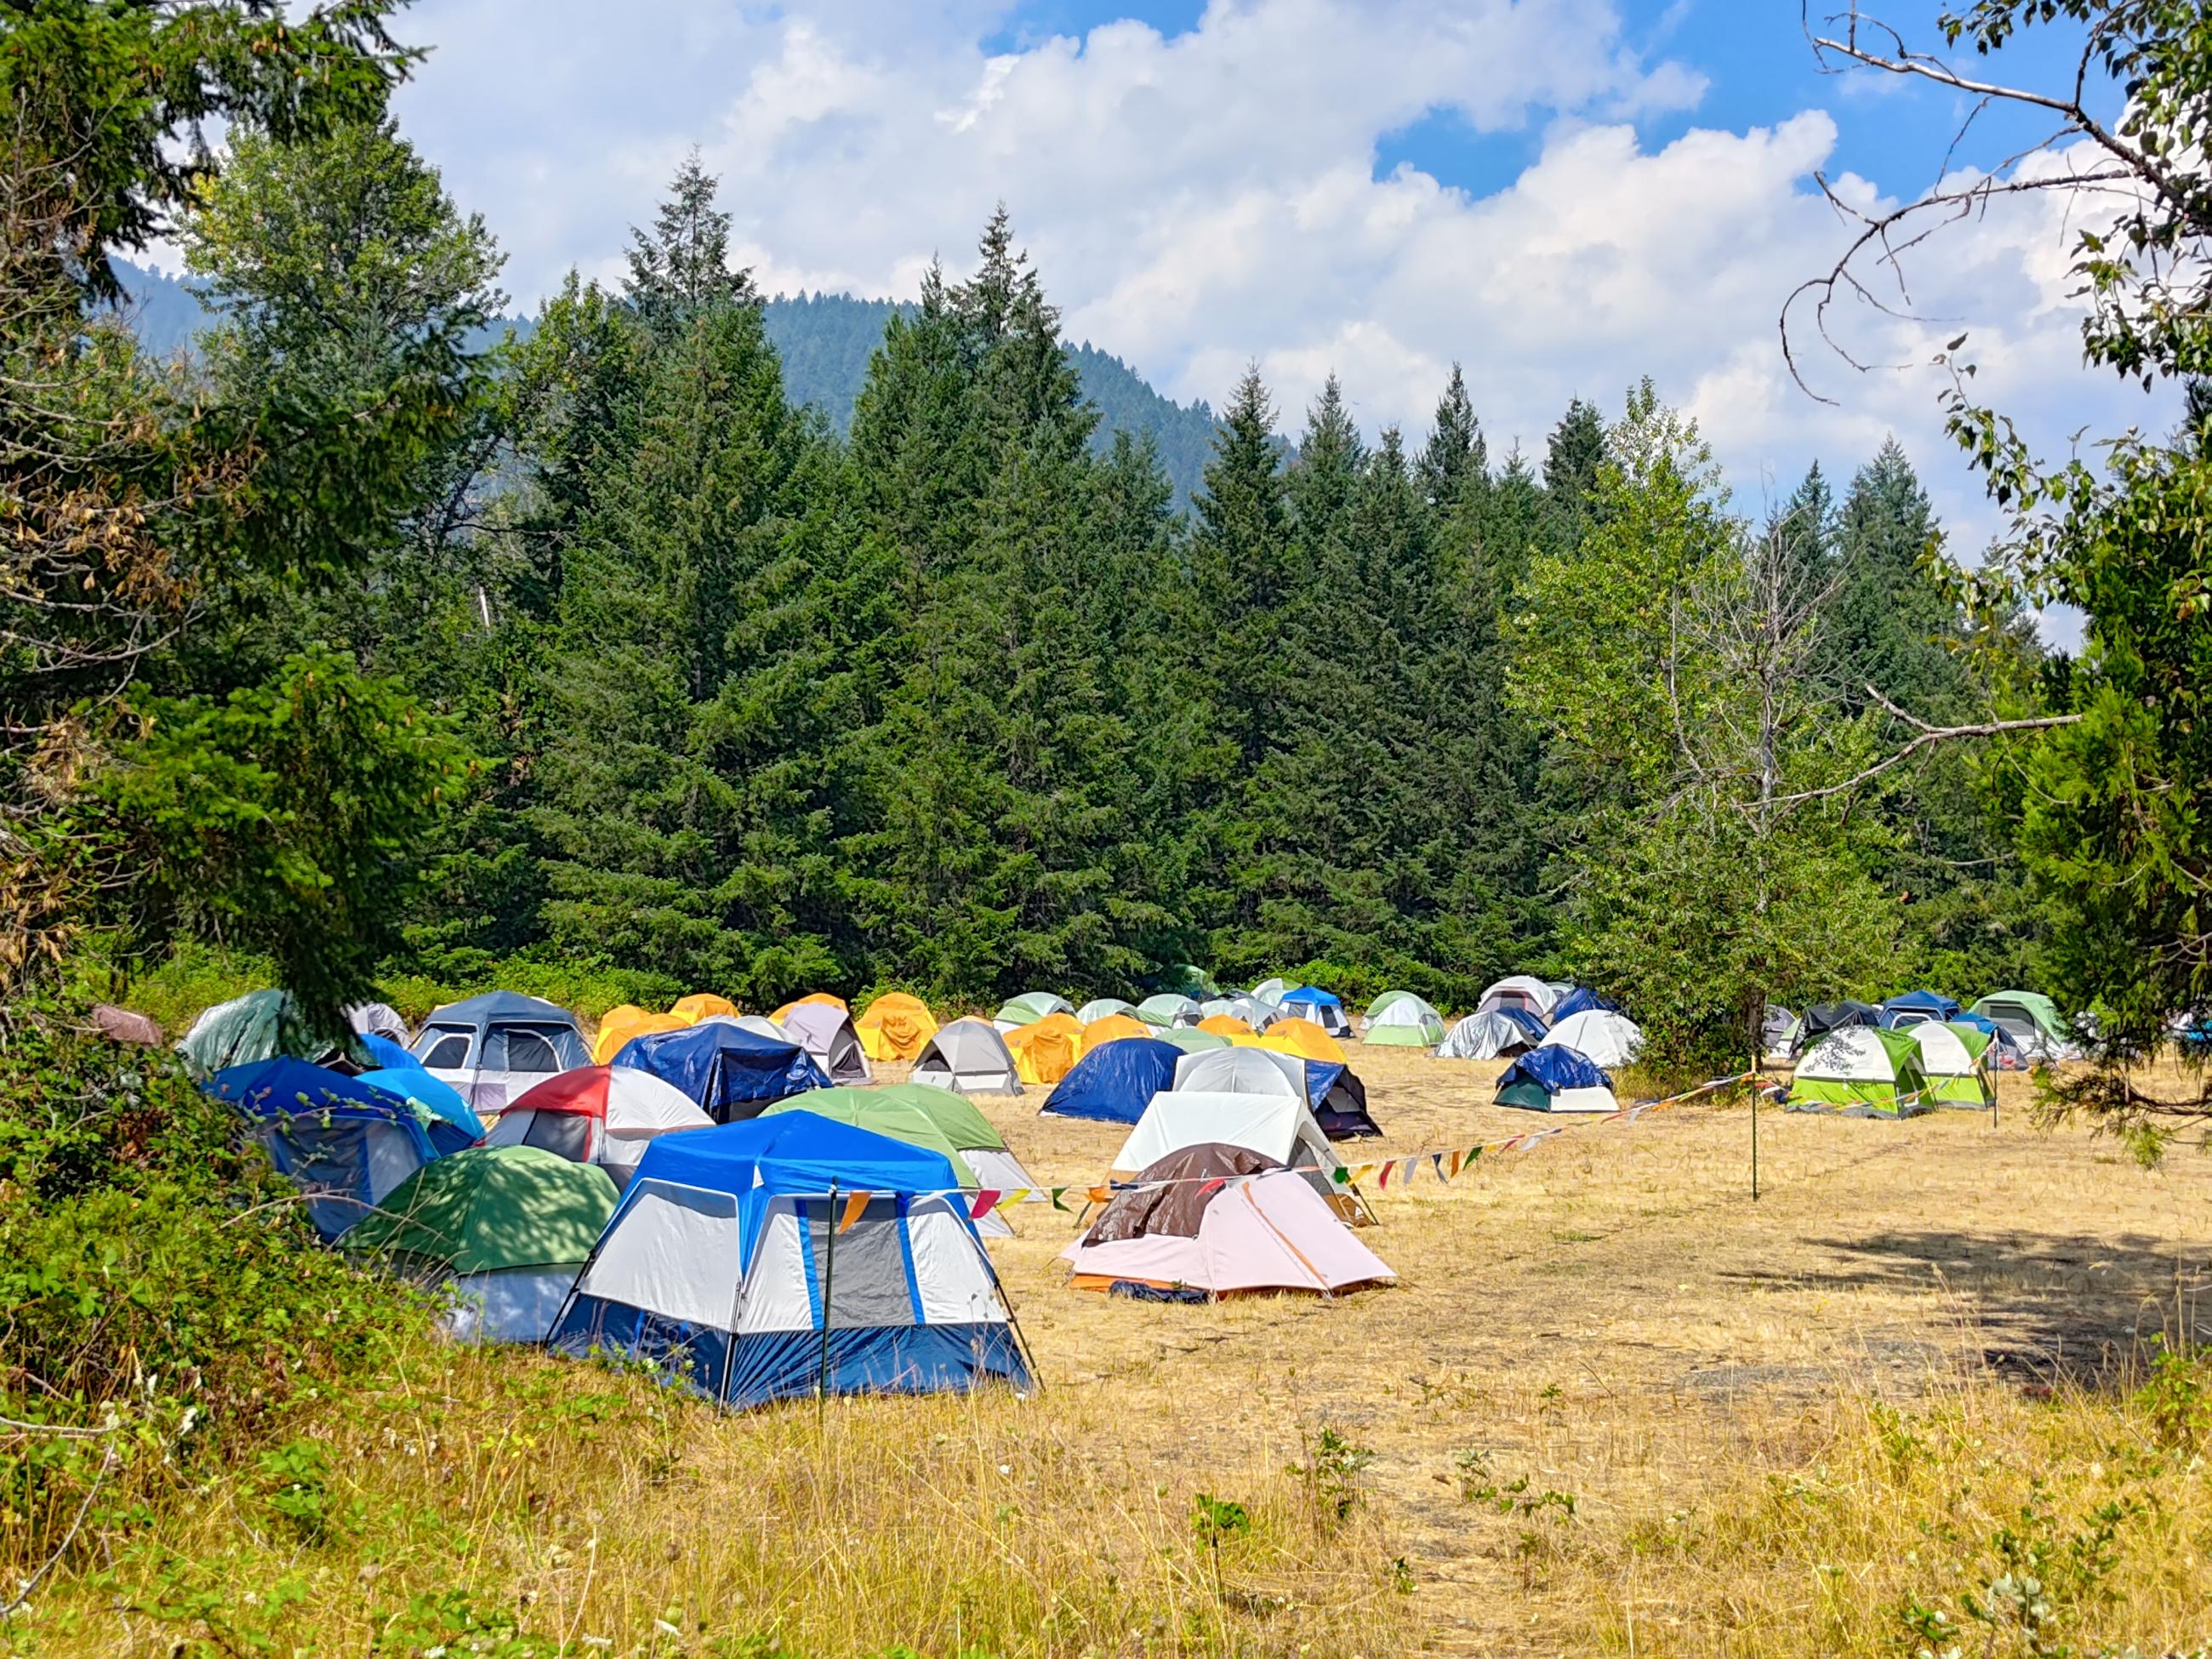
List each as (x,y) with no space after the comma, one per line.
(163,1302)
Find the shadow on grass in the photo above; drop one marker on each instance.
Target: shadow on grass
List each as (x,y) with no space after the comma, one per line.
(2043,1306)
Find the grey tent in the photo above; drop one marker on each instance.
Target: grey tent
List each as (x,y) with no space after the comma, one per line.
(969,1056)
(378,1019)
(827,1035)
(1258,1012)
(1487,1036)
(493,1047)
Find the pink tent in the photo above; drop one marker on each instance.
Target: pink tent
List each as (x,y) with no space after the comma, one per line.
(1217,1229)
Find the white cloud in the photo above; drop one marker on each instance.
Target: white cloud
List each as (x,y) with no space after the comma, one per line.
(1201,200)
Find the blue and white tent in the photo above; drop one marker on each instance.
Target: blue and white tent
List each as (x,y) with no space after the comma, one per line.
(1115,1081)
(346,1142)
(1322,1007)
(493,1047)
(452,1127)
(730,1072)
(733,1250)
(1556,1079)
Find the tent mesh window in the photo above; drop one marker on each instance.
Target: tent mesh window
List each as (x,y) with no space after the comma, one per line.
(451,1054)
(565,1135)
(519,1049)
(868,1286)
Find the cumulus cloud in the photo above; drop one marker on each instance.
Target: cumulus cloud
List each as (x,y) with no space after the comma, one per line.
(1201,200)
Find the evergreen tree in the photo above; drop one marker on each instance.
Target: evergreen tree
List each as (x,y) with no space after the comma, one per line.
(1572,456)
(680,269)
(1454,456)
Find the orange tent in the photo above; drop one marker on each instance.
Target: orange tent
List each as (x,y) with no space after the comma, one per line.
(612,1036)
(699,1004)
(1226,1025)
(822,997)
(1045,1050)
(1303,1038)
(895,1026)
(1111,1029)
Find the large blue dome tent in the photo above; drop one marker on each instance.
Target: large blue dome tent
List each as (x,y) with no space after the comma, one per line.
(1115,1081)
(736,1261)
(730,1072)
(345,1142)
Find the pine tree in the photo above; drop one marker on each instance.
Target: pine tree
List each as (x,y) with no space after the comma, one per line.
(1571,459)
(680,270)
(1455,455)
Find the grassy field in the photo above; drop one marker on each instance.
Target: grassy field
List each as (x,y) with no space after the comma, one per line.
(1907,1400)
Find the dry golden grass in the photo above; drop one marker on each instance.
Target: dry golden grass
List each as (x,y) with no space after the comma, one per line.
(1775,1421)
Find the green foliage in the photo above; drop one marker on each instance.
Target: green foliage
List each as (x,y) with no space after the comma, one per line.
(283,819)
(1330,1474)
(163,1303)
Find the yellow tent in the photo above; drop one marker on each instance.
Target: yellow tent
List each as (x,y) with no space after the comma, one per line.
(822,997)
(1226,1025)
(699,1004)
(1112,1028)
(895,1026)
(611,1037)
(1045,1050)
(1303,1038)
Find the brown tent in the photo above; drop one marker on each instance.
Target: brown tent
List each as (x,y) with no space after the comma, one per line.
(1175,1209)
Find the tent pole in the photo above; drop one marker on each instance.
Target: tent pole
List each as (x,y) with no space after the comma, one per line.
(829,1278)
(1754,1141)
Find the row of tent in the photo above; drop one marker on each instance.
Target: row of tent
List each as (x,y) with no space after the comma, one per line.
(2023,1026)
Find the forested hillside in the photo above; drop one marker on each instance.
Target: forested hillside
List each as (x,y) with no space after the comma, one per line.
(824,341)
(951,695)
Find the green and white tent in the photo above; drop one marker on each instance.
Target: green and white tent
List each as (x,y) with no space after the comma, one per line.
(1191,1040)
(935,1119)
(1400,1019)
(267,1025)
(1170,1009)
(1100,1008)
(1952,1058)
(2033,1020)
(1029,1008)
(510,1227)
(1862,1070)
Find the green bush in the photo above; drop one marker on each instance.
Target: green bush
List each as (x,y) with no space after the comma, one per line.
(588,988)
(163,1302)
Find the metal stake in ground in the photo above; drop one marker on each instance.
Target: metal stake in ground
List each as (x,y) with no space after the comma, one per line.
(1754,1131)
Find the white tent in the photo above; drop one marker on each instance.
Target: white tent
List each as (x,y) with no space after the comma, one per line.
(1255,1012)
(1484,1037)
(1272,1125)
(1168,1008)
(1271,990)
(826,1031)
(1609,1039)
(378,1019)
(758,1024)
(1100,1008)
(1520,991)
(1241,1071)
(969,1056)
(601,1114)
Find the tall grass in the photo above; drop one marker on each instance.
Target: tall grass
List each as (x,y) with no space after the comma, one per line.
(1989,1521)
(509,1504)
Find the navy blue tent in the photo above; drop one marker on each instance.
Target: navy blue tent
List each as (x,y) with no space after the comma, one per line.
(1556,1078)
(1338,1099)
(1915,1007)
(1581,1001)
(1527,1018)
(346,1143)
(1115,1081)
(730,1072)
(734,1249)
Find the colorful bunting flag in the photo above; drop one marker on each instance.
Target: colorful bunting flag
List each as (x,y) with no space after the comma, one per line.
(985,1198)
(856,1206)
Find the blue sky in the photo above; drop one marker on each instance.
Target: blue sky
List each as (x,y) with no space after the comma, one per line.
(1563,195)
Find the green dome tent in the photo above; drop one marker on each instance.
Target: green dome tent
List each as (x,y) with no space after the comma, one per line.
(1863,1070)
(510,1226)
(268,1026)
